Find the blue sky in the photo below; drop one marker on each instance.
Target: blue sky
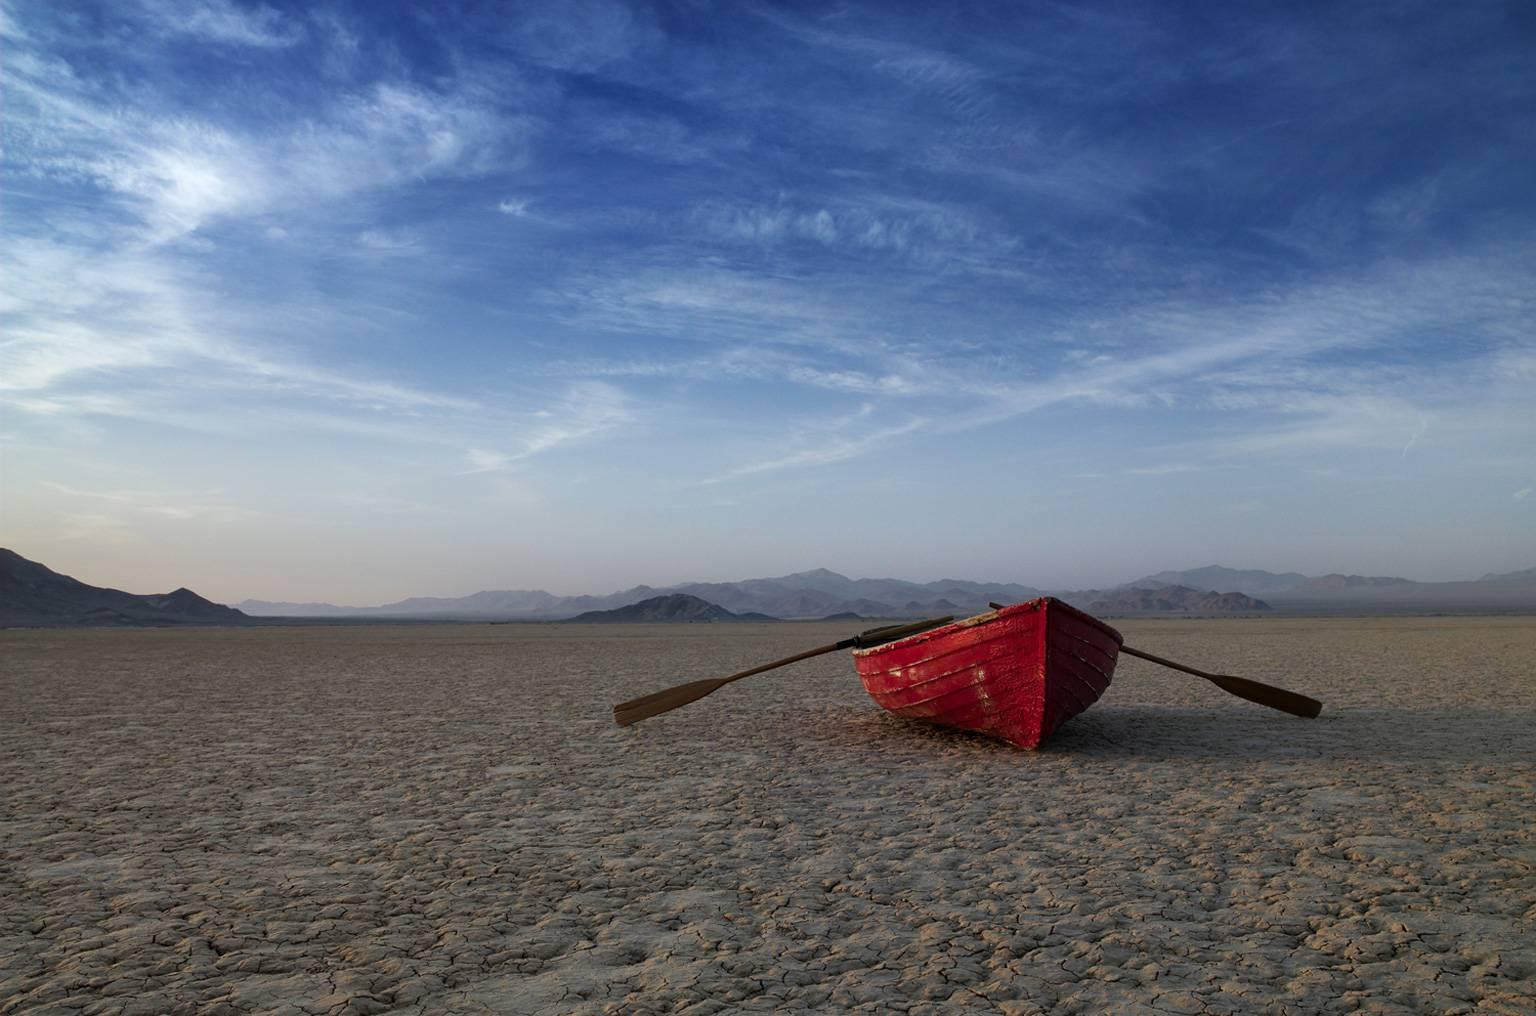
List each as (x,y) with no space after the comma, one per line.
(357,301)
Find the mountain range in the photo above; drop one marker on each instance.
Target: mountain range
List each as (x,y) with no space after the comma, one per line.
(1495,591)
(816,593)
(821,593)
(33,594)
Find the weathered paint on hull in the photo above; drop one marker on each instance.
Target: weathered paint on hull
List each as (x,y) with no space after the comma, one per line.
(1017,673)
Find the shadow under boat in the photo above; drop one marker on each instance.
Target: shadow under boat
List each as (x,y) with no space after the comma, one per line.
(1148,733)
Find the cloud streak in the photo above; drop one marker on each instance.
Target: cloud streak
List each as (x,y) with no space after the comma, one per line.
(821,443)
(221,21)
(178,173)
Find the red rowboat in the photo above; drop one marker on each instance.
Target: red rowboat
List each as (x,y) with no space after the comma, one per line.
(1016,673)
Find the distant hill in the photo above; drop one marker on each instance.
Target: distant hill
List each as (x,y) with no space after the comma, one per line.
(1335,584)
(272,608)
(1173,598)
(1214,577)
(487,603)
(33,594)
(1528,576)
(1285,585)
(673,607)
(1370,593)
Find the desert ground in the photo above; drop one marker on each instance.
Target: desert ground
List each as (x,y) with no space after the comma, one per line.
(443,818)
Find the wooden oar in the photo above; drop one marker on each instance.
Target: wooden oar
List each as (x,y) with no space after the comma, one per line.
(1242,687)
(668,699)
(1253,691)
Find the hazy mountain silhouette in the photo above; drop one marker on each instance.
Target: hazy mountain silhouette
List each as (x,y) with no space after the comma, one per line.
(1507,591)
(814,593)
(492,603)
(1329,585)
(1251,581)
(820,592)
(672,607)
(33,594)
(1527,575)
(1173,598)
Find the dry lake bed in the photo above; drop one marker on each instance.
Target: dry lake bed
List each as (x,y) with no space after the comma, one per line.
(444,819)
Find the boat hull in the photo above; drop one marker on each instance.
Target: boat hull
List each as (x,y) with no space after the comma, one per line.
(1017,672)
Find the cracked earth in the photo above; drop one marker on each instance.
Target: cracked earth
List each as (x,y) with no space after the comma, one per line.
(444,819)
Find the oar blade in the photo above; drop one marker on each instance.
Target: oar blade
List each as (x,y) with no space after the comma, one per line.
(656,703)
(1268,695)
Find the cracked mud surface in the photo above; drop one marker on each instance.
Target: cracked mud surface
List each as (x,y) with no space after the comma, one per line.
(443,818)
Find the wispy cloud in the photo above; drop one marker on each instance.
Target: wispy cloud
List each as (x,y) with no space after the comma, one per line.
(1318,363)
(178,173)
(824,442)
(115,315)
(484,461)
(587,409)
(81,317)
(179,506)
(1164,469)
(1289,351)
(387,243)
(583,35)
(222,21)
(655,137)
(922,233)
(810,369)
(852,381)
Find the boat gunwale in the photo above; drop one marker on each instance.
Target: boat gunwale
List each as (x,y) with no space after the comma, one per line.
(1041,603)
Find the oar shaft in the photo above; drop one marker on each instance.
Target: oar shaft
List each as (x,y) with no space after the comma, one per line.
(869,638)
(635,710)
(1167,663)
(1254,691)
(656,703)
(831,647)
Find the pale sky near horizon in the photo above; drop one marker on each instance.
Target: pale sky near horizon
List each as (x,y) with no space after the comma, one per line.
(357,301)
